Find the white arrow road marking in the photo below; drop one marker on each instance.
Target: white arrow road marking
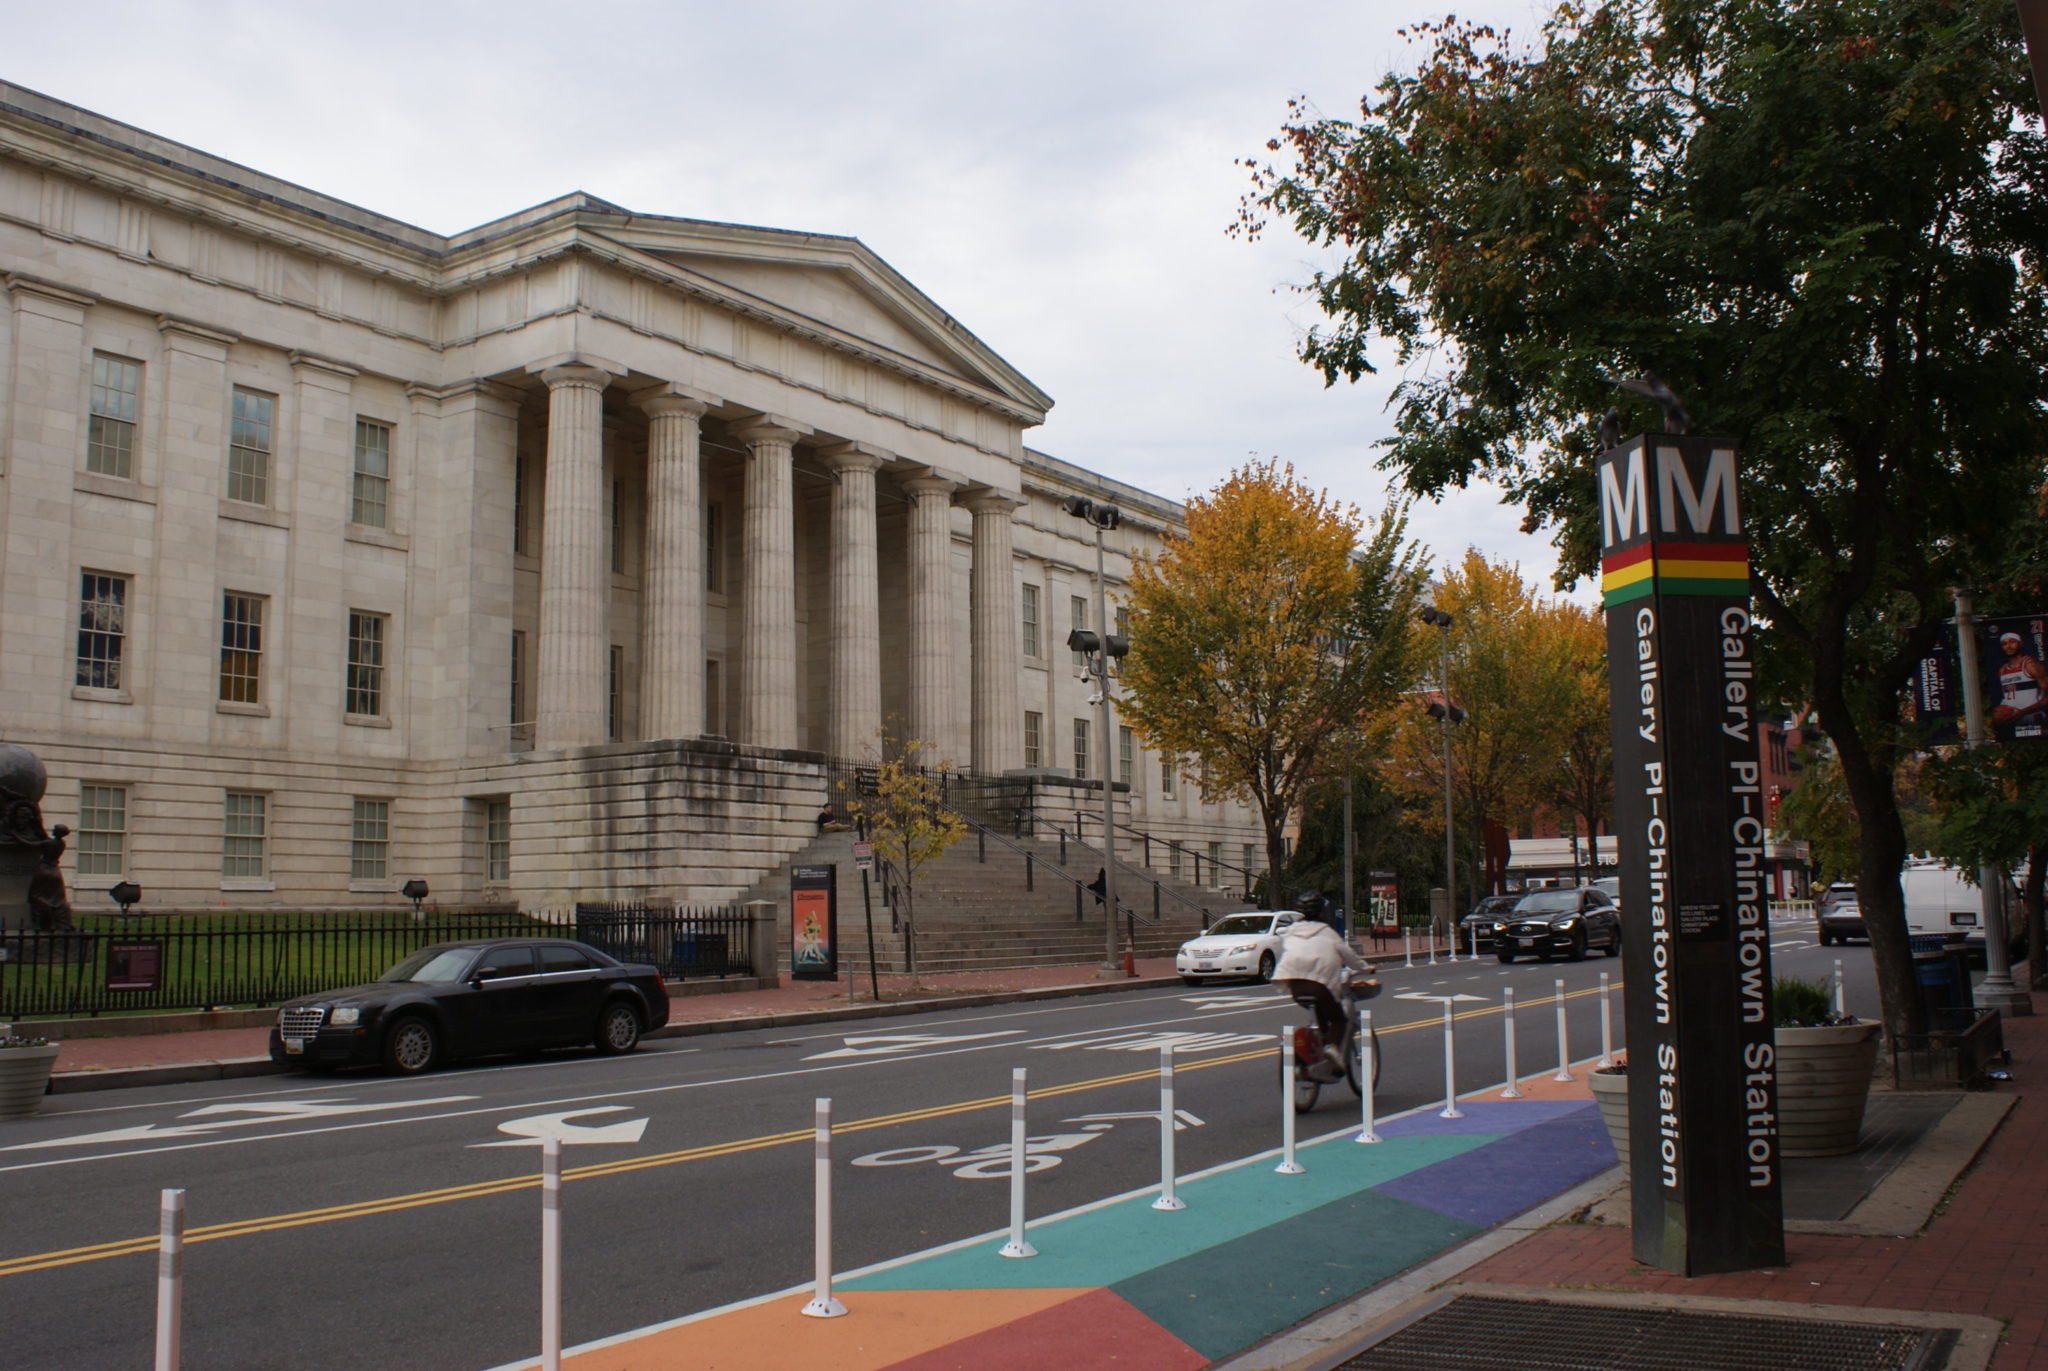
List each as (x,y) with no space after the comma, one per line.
(1438,999)
(262,1112)
(1182,1119)
(1152,1042)
(535,1129)
(882,1044)
(1238,1001)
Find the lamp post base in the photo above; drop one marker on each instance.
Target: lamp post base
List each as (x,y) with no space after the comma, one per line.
(2011,1001)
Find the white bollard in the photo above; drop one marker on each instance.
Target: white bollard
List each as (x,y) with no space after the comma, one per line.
(1017,1246)
(822,1305)
(1840,1004)
(1365,1133)
(1167,1199)
(1564,1056)
(1475,942)
(1407,953)
(1288,1166)
(551,1254)
(1450,1109)
(1606,1024)
(170,1279)
(1452,939)
(1432,943)
(1507,1018)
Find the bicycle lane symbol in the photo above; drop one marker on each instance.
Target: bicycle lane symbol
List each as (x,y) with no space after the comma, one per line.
(1041,1153)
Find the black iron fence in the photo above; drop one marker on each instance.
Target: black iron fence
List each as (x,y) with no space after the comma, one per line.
(1959,1047)
(119,964)
(681,943)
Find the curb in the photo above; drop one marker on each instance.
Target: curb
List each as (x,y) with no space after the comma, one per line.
(235,1068)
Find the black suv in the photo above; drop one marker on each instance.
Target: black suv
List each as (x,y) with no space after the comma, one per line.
(1548,922)
(1475,930)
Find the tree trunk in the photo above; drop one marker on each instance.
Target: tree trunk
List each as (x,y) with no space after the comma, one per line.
(1273,819)
(1881,851)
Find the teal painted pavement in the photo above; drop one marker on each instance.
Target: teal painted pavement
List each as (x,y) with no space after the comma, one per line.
(1128,1239)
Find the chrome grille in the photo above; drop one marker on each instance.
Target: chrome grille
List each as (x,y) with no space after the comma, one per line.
(300,1024)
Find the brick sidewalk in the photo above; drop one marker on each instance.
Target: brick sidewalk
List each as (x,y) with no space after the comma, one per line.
(1985,1252)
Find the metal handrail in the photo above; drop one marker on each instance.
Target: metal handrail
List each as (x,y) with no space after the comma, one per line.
(1172,845)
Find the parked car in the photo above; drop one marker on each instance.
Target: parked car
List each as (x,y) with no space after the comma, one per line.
(1839,914)
(1476,928)
(1549,922)
(1237,945)
(1610,886)
(473,999)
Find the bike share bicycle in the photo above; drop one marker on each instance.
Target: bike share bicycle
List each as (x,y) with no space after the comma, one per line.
(1313,1068)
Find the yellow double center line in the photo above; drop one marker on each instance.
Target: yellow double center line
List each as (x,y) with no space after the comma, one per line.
(421,1199)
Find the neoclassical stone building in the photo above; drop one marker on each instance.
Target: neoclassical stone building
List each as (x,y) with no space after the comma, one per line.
(550,560)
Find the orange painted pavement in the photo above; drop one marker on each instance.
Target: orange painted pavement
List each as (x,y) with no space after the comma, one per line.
(1099,1328)
(881,1329)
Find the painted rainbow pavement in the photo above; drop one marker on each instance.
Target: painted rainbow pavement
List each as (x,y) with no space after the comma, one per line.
(1121,1283)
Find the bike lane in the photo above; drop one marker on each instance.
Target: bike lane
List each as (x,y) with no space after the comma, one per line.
(1253,1253)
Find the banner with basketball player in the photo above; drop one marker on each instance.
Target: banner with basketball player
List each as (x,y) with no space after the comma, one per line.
(2012,653)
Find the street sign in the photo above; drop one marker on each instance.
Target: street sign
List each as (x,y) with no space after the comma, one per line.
(863,857)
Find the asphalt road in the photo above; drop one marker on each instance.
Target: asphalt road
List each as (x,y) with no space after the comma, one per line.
(365,1222)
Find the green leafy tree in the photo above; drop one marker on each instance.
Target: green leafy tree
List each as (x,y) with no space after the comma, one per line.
(1825,225)
(1272,625)
(908,826)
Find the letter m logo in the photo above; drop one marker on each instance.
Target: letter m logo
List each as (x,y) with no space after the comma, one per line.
(1624,498)
(1715,490)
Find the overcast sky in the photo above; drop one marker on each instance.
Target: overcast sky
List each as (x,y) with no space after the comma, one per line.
(1057,176)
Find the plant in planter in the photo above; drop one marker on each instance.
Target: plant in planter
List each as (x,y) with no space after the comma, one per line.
(1824,1063)
(25,1065)
(1610,1092)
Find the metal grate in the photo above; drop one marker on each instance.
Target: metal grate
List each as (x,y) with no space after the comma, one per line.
(297,1025)
(1482,1333)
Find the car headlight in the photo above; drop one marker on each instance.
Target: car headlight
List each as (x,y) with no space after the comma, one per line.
(346,1015)
(1572,922)
(1240,947)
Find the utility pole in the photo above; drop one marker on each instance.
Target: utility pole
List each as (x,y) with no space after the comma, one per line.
(1449,714)
(1097,651)
(1996,991)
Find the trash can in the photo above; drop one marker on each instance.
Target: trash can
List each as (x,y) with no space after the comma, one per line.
(1936,973)
(1955,950)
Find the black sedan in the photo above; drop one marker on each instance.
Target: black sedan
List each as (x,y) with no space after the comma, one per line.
(1475,930)
(471,999)
(1549,922)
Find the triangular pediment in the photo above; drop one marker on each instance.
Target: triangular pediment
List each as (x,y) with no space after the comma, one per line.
(834,285)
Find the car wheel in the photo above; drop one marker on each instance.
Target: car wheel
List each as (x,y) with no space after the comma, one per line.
(618,1028)
(1578,948)
(1265,966)
(1614,944)
(1827,939)
(411,1045)
(1505,955)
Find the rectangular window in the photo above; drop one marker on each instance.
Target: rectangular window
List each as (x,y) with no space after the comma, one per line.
(1126,754)
(520,545)
(249,447)
(1251,854)
(110,431)
(245,836)
(1166,778)
(369,840)
(615,668)
(1030,612)
(1077,610)
(498,840)
(619,528)
(714,548)
(370,504)
(363,690)
(714,698)
(1123,622)
(1034,738)
(102,629)
(241,649)
(1215,863)
(1080,749)
(1173,860)
(519,717)
(102,829)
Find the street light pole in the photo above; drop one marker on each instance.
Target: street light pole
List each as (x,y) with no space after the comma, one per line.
(1110,964)
(1996,990)
(1449,714)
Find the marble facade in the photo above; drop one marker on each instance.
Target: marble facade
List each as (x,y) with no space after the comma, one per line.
(548,560)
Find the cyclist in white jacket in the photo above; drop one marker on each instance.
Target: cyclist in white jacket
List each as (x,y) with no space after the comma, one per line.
(1315,966)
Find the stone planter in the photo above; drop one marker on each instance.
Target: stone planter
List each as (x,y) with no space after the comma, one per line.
(1610,1092)
(24,1075)
(1823,1086)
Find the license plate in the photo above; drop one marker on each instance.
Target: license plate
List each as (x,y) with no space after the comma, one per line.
(293,1047)
(1963,920)
(1205,966)
(1523,942)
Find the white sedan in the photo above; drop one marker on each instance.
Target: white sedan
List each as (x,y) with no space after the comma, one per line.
(1236,945)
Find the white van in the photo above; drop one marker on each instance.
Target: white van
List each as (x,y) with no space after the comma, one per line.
(1944,900)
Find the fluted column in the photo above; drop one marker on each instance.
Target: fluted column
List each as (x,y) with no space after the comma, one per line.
(931,647)
(856,708)
(573,589)
(672,612)
(998,728)
(768,590)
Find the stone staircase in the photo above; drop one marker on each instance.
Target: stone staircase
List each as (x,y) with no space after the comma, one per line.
(975,910)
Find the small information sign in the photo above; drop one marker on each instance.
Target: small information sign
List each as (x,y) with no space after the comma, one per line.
(863,857)
(135,965)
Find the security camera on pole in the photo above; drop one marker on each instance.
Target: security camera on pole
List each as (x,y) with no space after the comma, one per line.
(1099,651)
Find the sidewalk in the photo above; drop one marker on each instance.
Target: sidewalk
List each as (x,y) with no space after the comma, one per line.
(1511,1213)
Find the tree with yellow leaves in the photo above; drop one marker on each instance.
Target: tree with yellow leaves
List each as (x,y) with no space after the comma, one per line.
(1511,671)
(901,815)
(1264,632)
